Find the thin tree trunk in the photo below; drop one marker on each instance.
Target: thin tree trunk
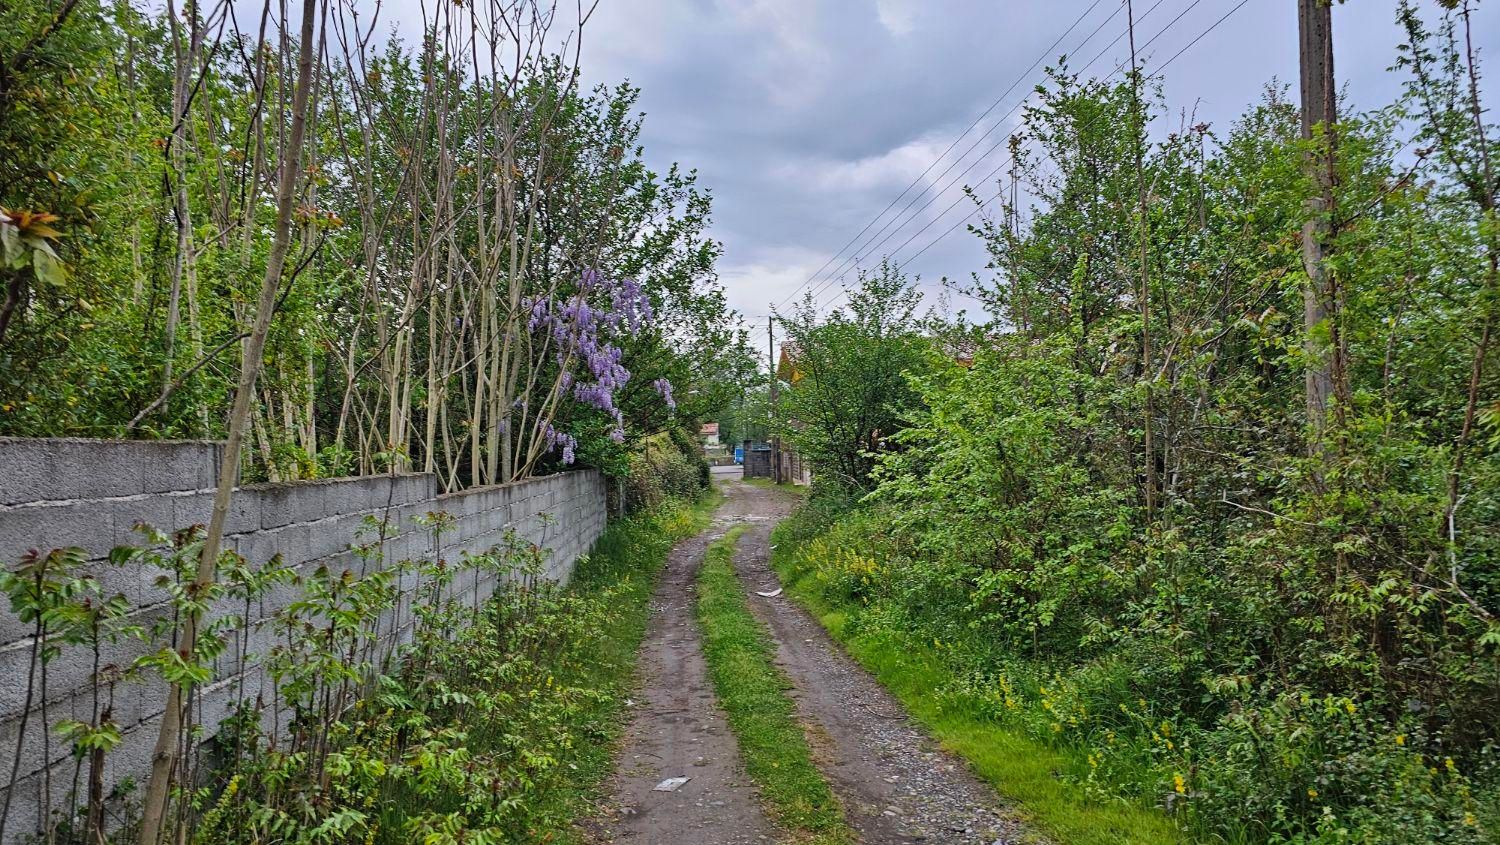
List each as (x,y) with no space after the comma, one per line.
(163,759)
(1144,300)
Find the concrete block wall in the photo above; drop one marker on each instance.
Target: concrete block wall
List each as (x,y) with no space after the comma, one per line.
(56,493)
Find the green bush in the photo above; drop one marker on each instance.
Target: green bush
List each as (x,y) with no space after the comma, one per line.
(1234,756)
(665,467)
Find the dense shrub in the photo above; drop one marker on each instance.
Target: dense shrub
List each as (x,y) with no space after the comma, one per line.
(665,467)
(1154,715)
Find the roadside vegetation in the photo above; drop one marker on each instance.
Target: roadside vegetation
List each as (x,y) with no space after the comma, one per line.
(753,693)
(1211,508)
(1022,767)
(495,728)
(341,253)
(494,725)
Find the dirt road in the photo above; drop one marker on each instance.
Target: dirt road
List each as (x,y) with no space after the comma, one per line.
(895,784)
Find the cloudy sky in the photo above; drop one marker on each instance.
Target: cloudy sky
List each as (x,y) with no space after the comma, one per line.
(806,118)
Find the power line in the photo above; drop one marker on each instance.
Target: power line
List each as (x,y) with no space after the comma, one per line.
(867,249)
(864,249)
(967,130)
(981,206)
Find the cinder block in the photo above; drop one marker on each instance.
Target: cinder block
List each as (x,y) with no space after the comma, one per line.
(132,758)
(347,495)
(87,525)
(220,700)
(26,472)
(179,465)
(125,514)
(328,537)
(417,487)
(292,542)
(244,512)
(151,694)
(283,504)
(190,509)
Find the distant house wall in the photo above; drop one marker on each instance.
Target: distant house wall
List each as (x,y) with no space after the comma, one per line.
(758,457)
(757,460)
(57,493)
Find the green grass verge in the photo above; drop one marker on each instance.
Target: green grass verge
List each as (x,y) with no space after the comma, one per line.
(752,692)
(1021,769)
(628,558)
(798,489)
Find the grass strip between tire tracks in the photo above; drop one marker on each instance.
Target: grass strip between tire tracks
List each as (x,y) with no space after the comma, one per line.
(753,693)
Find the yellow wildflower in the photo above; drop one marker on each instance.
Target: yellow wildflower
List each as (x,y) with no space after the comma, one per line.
(1179,783)
(1312,793)
(1400,739)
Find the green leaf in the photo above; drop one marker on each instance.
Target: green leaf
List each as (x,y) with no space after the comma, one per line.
(10,244)
(49,270)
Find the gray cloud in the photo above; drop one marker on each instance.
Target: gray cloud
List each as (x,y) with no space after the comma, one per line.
(807,117)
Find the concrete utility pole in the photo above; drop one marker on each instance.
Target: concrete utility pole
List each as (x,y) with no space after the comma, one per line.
(771,368)
(1319,299)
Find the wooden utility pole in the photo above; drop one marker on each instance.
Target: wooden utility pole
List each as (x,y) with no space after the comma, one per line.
(1018,315)
(1319,298)
(771,368)
(1144,300)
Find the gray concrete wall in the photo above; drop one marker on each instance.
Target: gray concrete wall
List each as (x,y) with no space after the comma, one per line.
(56,493)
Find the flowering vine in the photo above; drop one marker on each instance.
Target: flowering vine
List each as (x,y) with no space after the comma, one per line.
(586,329)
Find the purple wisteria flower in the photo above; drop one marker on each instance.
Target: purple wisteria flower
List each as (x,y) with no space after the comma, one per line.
(567,442)
(664,387)
(585,333)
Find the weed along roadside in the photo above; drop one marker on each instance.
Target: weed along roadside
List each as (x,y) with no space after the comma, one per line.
(753,693)
(1042,782)
(526,702)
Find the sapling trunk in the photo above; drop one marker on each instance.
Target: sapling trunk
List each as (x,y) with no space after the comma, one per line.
(15,767)
(154,811)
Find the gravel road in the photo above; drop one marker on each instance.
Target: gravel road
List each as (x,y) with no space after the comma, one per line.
(896,784)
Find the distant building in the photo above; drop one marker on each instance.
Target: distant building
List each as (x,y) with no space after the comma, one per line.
(709,434)
(789,465)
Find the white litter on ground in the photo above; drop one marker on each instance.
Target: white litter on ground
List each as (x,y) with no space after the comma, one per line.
(670,785)
(769,595)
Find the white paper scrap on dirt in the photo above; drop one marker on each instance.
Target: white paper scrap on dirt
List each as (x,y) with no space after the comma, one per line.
(769,595)
(670,785)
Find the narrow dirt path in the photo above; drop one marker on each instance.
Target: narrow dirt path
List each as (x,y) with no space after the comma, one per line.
(896,784)
(678,730)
